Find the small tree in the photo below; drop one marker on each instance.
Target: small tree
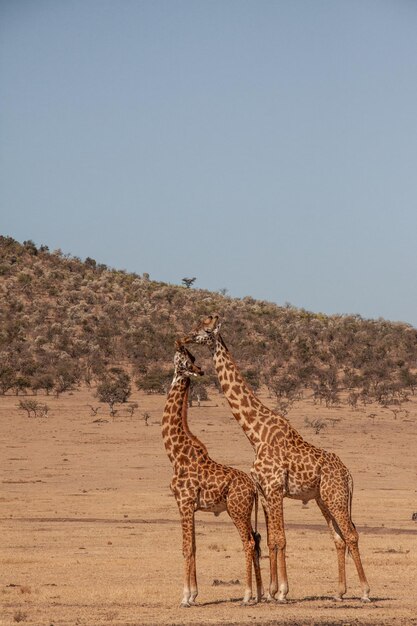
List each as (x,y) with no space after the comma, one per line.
(188,282)
(114,388)
(132,408)
(21,384)
(43,381)
(67,376)
(154,381)
(198,392)
(33,407)
(7,378)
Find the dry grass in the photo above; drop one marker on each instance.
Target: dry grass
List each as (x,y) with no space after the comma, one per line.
(91,536)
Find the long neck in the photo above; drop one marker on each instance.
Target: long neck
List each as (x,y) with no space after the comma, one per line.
(256,419)
(175,431)
(191,437)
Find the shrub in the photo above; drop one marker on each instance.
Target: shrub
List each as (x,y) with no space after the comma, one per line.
(153,381)
(114,388)
(316,424)
(33,407)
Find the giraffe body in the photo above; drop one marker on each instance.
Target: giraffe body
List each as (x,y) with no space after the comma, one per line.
(201,484)
(285,466)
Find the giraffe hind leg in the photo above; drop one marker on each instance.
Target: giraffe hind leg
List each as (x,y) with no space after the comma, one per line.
(340,549)
(188,537)
(343,525)
(239,507)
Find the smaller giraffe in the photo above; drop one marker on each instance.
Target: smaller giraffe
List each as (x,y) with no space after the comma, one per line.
(201,484)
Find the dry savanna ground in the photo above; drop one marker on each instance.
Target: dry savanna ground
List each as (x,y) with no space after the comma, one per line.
(90,532)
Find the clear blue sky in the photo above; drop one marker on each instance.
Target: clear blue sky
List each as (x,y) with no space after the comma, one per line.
(266,147)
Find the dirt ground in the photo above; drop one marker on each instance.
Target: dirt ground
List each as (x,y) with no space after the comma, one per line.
(90,532)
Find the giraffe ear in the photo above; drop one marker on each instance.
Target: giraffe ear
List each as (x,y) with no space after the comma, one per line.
(216,323)
(178,344)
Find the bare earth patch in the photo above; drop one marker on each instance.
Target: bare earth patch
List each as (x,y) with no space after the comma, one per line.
(91,535)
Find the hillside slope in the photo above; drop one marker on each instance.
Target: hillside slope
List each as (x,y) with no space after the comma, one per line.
(65,322)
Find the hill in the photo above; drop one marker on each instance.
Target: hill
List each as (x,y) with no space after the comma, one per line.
(66,322)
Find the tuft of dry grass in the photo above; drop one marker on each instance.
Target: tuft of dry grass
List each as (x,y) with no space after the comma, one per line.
(225,583)
(216,548)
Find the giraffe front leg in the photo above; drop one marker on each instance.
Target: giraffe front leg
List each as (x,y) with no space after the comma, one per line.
(277,545)
(193,577)
(188,550)
(240,512)
(249,546)
(273,578)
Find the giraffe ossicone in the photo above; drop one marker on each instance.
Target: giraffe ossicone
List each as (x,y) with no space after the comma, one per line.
(285,465)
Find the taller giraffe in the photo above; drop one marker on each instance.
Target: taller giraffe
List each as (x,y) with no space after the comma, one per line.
(285,466)
(199,483)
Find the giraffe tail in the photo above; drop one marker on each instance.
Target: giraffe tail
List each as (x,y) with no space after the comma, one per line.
(256,536)
(350,487)
(350,484)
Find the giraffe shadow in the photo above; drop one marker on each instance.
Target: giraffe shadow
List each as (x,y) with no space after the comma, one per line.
(338,604)
(223,601)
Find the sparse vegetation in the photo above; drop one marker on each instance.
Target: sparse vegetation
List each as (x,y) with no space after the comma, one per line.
(114,388)
(132,408)
(316,424)
(198,393)
(20,616)
(66,322)
(33,408)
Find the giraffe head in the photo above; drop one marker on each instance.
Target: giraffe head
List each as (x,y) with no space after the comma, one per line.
(205,332)
(184,362)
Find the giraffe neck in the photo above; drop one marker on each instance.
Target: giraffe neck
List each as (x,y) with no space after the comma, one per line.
(175,432)
(257,420)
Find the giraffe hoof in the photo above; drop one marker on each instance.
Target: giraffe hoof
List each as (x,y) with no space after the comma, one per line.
(365,599)
(338,598)
(185,605)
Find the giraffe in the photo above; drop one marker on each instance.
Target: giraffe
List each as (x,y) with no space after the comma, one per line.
(201,484)
(285,465)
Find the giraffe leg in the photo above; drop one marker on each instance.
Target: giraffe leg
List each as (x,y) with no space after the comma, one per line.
(273,579)
(340,548)
(342,522)
(240,513)
(193,574)
(277,545)
(188,549)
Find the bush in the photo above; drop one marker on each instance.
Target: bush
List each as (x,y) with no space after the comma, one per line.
(316,424)
(114,387)
(33,407)
(154,381)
